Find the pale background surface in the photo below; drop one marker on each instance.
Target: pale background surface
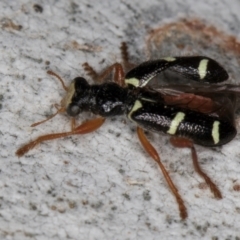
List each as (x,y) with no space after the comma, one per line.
(102,185)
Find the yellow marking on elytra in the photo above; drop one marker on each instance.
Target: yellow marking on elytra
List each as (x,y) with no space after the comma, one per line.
(215,132)
(202,68)
(169,59)
(175,123)
(132,81)
(136,82)
(135,107)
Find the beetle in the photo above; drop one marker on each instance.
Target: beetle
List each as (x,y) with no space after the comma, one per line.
(200,113)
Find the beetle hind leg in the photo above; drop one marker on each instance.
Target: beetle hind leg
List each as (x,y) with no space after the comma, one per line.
(153,153)
(183,143)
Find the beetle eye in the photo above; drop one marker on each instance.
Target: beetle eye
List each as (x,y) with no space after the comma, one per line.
(73,110)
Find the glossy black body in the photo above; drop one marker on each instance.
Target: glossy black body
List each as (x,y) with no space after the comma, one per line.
(106,100)
(148,109)
(195,126)
(188,67)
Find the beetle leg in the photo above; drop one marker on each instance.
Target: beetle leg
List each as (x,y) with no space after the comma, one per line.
(84,128)
(153,153)
(118,76)
(117,67)
(119,73)
(125,57)
(183,143)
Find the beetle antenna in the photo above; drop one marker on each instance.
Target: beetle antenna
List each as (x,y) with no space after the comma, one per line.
(59,78)
(52,116)
(59,110)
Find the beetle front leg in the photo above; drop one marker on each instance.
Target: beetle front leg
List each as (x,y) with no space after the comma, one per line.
(117,68)
(84,128)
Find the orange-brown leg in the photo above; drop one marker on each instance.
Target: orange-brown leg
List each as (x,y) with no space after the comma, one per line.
(125,57)
(116,67)
(183,143)
(153,153)
(86,127)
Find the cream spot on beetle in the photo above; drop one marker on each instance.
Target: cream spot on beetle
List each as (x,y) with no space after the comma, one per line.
(175,123)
